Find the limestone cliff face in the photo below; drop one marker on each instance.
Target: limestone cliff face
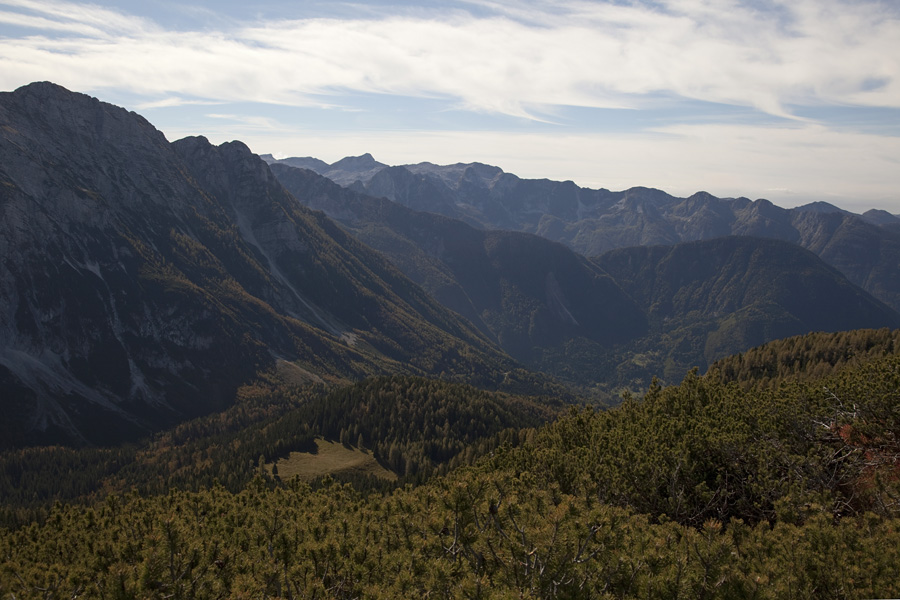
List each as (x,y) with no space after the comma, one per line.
(141,281)
(90,193)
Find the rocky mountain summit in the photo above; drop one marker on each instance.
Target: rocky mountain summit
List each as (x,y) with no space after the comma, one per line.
(141,281)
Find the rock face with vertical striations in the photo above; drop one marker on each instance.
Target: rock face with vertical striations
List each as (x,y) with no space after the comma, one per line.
(141,281)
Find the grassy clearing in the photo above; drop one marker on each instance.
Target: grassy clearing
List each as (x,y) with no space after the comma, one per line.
(331,458)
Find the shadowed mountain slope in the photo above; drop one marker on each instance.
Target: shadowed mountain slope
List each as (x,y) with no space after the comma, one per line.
(142,281)
(683,306)
(865,248)
(531,295)
(707,300)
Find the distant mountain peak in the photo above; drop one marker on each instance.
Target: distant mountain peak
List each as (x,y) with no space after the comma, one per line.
(67,114)
(237,145)
(194,141)
(880,217)
(42,87)
(820,207)
(356,163)
(483,171)
(702,195)
(304,162)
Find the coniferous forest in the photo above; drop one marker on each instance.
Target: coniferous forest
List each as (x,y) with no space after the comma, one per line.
(775,475)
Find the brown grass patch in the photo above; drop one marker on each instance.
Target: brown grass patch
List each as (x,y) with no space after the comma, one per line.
(332,458)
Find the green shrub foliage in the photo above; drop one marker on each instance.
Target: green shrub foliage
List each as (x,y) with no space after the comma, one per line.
(712,488)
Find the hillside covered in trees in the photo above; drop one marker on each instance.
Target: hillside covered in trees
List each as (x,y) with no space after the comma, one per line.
(716,487)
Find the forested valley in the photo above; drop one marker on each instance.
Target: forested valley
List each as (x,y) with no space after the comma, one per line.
(774,475)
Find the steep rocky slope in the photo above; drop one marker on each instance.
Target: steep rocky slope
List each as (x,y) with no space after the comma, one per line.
(142,281)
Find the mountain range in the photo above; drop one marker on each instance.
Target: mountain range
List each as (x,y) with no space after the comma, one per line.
(143,282)
(865,248)
(616,320)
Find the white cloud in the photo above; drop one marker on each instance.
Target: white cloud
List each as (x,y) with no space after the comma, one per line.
(174,101)
(41,23)
(593,54)
(84,19)
(526,59)
(249,122)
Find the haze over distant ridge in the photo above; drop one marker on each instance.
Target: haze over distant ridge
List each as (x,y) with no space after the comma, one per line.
(865,248)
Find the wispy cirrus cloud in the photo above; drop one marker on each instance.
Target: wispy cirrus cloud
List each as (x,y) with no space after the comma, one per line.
(175,101)
(769,84)
(250,121)
(42,23)
(514,60)
(81,19)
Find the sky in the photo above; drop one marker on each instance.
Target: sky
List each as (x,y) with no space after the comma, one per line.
(794,101)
